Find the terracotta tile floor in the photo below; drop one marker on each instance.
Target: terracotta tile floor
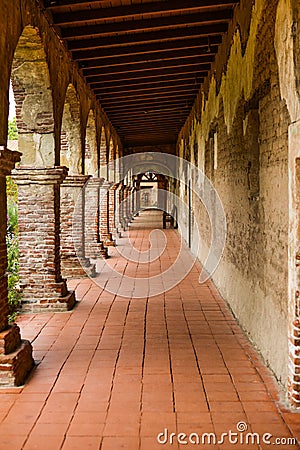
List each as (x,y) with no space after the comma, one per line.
(117,371)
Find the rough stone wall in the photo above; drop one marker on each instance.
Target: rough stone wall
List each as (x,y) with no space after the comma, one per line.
(238,134)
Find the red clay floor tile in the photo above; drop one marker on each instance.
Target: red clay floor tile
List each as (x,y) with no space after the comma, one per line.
(116,372)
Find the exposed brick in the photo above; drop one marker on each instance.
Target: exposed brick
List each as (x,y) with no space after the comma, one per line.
(72,204)
(39,239)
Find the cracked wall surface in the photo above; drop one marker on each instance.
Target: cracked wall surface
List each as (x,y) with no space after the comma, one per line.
(249,105)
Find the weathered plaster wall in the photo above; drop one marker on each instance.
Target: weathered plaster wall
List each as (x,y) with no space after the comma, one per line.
(240,124)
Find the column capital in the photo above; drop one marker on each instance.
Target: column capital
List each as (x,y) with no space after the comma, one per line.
(8,160)
(107,185)
(115,186)
(95,182)
(76,180)
(26,175)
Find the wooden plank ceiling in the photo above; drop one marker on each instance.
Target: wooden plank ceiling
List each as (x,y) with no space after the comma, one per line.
(145,60)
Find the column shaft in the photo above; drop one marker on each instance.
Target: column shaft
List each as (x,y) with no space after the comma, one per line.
(39,239)
(73,259)
(15,354)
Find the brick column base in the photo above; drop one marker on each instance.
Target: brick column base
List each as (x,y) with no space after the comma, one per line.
(113,223)
(15,354)
(74,263)
(121,195)
(94,247)
(294,356)
(41,283)
(127,210)
(15,357)
(105,234)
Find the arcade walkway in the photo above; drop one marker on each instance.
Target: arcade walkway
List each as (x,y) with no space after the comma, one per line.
(116,371)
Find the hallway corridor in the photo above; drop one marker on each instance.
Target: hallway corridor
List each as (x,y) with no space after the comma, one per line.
(117,371)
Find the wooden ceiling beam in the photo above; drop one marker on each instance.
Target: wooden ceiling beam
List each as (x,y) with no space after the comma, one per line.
(57,5)
(122,124)
(155,135)
(151,137)
(128,11)
(146,142)
(154,104)
(111,82)
(147,68)
(53,5)
(190,32)
(190,82)
(142,25)
(137,129)
(123,119)
(138,120)
(116,102)
(155,129)
(150,58)
(143,90)
(207,45)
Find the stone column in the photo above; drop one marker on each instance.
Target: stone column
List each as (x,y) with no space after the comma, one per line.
(105,233)
(294,266)
(94,247)
(41,283)
(73,259)
(15,354)
(138,197)
(133,202)
(118,208)
(127,208)
(113,225)
(122,207)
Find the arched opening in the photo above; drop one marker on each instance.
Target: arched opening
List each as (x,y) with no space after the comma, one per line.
(90,156)
(72,200)
(30,130)
(12,238)
(38,179)
(70,138)
(104,221)
(148,185)
(94,247)
(111,160)
(103,153)
(33,99)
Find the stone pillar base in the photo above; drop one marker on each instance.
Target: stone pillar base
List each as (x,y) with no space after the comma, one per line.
(71,270)
(74,263)
(94,248)
(104,252)
(105,234)
(15,357)
(108,240)
(56,304)
(40,277)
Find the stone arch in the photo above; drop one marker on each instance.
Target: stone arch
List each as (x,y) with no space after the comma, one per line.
(90,151)
(111,150)
(70,137)
(111,159)
(103,152)
(117,163)
(33,97)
